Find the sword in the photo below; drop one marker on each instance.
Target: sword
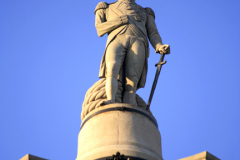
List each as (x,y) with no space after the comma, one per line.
(159,67)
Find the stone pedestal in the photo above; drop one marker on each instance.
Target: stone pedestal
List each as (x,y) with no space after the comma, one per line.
(201,156)
(31,157)
(132,131)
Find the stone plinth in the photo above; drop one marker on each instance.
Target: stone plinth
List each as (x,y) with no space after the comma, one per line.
(201,156)
(31,157)
(132,131)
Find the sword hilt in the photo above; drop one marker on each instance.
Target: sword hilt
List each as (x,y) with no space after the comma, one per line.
(160,63)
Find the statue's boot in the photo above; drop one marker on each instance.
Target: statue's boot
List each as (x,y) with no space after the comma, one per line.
(106,102)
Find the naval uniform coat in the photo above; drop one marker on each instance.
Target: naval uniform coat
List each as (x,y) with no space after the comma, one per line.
(110,18)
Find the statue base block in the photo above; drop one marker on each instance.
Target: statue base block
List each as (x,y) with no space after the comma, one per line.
(119,127)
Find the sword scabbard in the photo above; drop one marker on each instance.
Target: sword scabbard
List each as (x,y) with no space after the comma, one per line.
(159,67)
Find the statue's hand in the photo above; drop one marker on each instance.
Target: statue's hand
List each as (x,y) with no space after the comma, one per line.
(124,19)
(163,49)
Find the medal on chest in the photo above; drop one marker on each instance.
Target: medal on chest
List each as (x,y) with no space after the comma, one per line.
(140,16)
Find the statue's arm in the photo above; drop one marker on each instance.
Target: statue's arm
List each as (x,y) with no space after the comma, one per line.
(104,26)
(153,35)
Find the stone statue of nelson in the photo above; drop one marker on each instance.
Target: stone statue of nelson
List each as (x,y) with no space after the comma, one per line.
(129,27)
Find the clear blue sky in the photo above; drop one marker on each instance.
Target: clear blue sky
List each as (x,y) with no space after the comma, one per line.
(50,55)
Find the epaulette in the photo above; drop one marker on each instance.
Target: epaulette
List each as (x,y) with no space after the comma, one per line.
(150,11)
(101,5)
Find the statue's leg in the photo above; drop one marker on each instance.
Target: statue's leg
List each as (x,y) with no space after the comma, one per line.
(134,62)
(114,59)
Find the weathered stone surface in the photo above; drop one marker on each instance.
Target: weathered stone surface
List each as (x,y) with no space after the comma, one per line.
(31,157)
(129,133)
(201,156)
